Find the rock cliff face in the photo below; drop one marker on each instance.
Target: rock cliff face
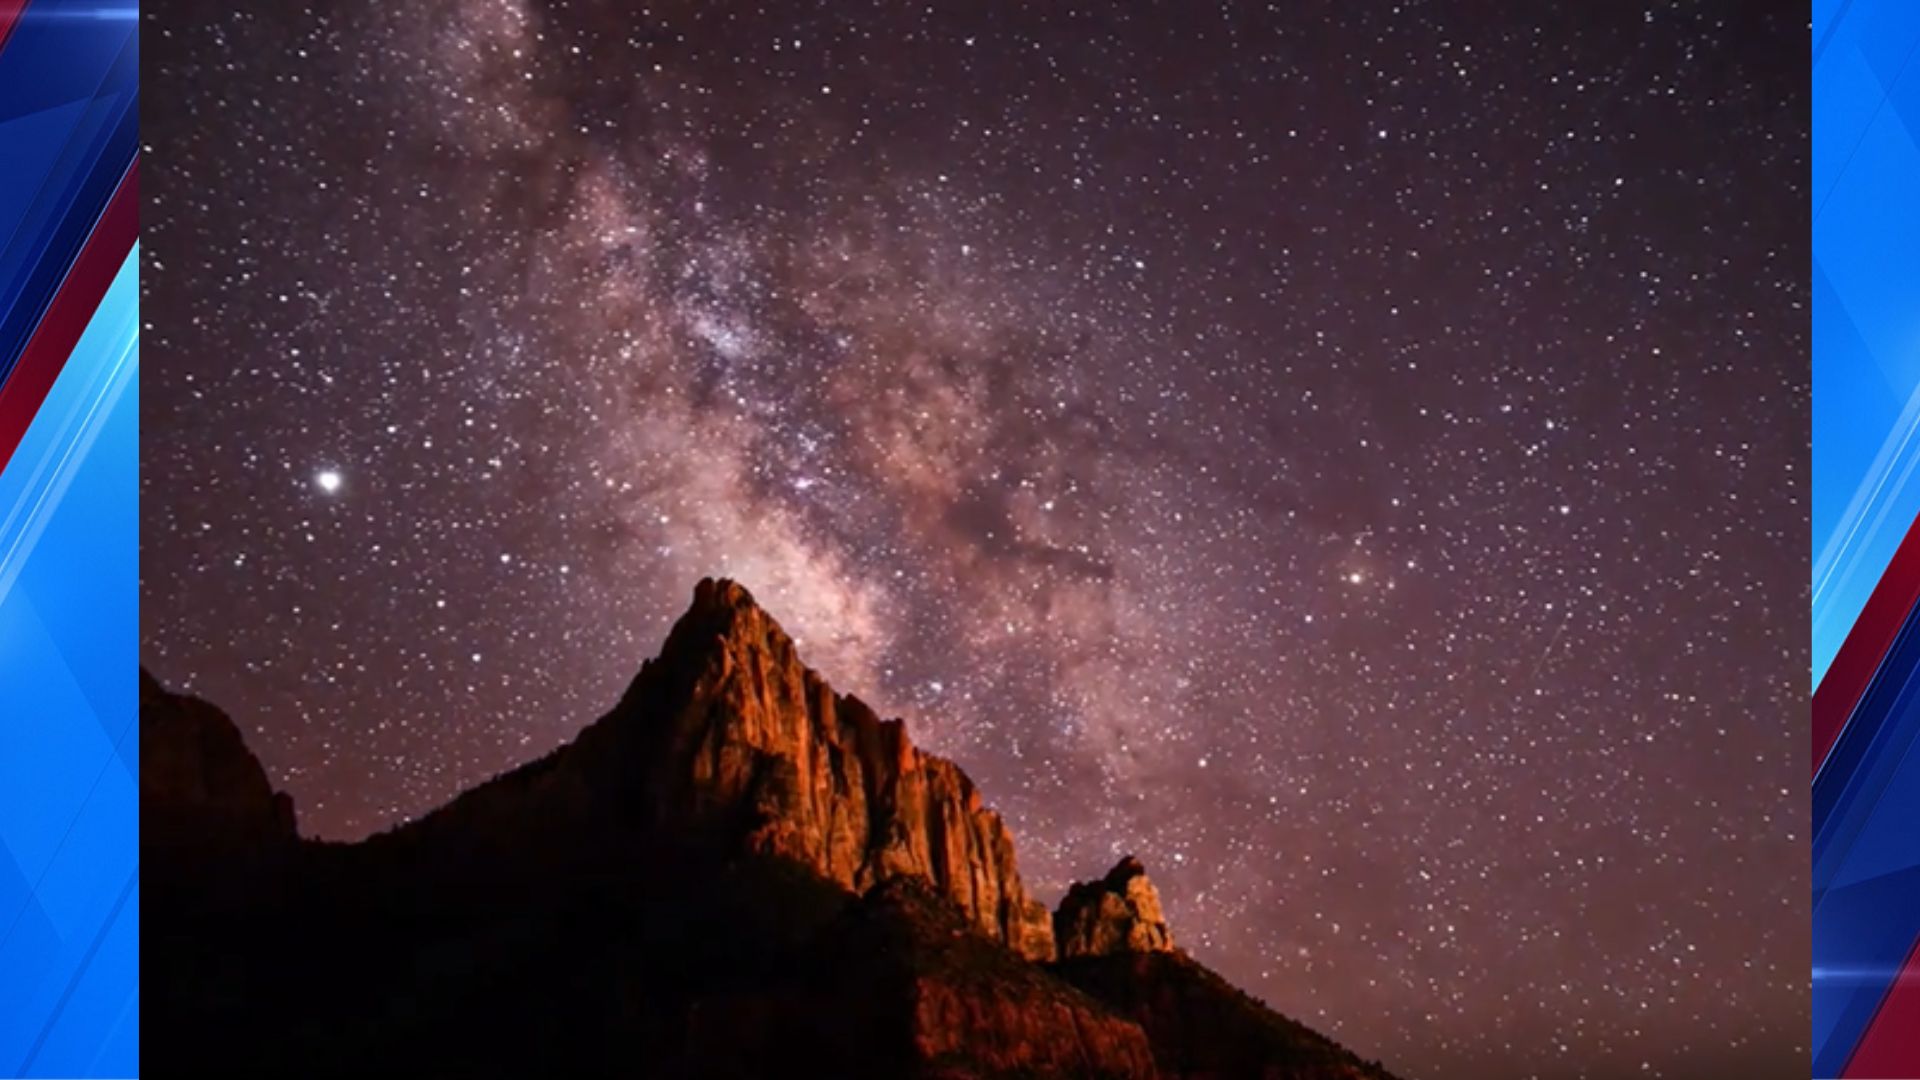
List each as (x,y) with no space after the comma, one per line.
(727,737)
(1119,913)
(749,737)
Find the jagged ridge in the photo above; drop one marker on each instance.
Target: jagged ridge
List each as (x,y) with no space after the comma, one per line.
(728,734)
(671,888)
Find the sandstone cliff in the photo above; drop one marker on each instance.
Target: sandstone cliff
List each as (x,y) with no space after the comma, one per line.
(1118,913)
(747,733)
(729,737)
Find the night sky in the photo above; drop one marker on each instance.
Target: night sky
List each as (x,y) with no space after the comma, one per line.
(1352,455)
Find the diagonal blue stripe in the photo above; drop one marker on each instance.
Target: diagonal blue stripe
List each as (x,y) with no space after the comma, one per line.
(1831,22)
(73,983)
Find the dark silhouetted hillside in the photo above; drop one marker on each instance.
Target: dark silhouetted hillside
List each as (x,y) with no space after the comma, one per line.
(736,872)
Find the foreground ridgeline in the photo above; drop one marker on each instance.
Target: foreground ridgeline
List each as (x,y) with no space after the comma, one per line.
(736,872)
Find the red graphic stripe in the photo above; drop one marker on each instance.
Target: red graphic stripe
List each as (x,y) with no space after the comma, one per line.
(1890,1047)
(1867,643)
(9,18)
(67,316)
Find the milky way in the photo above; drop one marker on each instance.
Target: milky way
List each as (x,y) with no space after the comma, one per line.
(1351,455)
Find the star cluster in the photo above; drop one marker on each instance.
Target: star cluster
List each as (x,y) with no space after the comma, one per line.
(1351,455)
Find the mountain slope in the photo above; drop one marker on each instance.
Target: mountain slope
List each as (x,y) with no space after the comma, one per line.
(728,736)
(1201,1026)
(735,872)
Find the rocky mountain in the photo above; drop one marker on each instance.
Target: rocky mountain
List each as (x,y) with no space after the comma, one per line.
(1119,913)
(736,872)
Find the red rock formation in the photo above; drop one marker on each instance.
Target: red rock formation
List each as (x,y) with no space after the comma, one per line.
(1119,913)
(743,732)
(728,734)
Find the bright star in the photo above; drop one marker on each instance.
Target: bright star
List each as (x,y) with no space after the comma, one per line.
(328,479)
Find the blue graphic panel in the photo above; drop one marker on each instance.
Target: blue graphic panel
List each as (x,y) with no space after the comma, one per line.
(1866,304)
(69,832)
(1866,496)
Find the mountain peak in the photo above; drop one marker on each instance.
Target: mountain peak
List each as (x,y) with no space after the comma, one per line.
(720,600)
(721,609)
(1120,913)
(728,740)
(737,734)
(1124,871)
